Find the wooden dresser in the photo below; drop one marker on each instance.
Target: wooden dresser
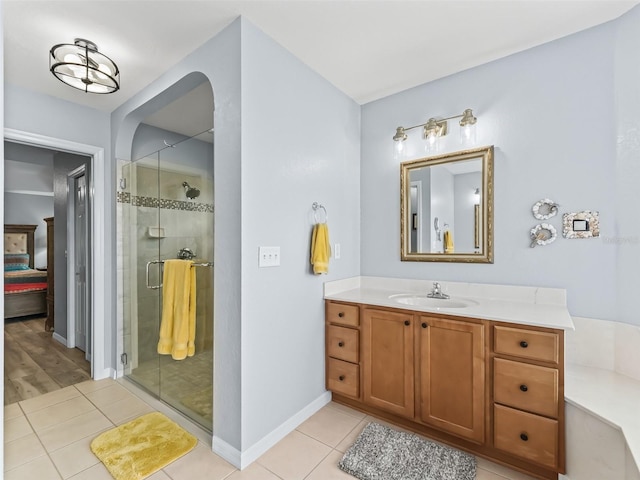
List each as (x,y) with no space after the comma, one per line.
(48,325)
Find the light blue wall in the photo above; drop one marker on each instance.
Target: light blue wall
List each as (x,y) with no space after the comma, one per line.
(193,153)
(300,144)
(219,61)
(283,140)
(625,233)
(35,113)
(549,111)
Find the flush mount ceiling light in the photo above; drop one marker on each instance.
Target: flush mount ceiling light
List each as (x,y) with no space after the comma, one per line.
(435,128)
(81,66)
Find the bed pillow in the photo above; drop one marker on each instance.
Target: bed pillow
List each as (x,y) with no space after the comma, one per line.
(16,261)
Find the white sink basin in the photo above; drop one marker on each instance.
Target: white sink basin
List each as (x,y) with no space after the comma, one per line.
(437,303)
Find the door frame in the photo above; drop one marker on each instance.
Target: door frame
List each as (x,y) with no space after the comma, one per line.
(71,254)
(99,260)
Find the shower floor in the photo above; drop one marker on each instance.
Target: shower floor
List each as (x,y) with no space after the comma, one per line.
(186,384)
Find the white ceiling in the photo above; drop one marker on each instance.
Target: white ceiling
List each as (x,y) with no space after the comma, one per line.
(367,48)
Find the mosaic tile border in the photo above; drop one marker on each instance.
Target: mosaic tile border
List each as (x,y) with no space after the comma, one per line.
(166,203)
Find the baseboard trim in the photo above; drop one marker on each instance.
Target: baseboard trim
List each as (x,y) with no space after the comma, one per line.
(60,339)
(106,373)
(226,451)
(252,453)
(242,460)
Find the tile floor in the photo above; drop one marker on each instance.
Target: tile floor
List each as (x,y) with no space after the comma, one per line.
(48,438)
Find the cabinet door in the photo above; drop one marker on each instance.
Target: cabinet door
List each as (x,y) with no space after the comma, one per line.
(387,360)
(452,376)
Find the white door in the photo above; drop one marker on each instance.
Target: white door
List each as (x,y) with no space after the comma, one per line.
(81,262)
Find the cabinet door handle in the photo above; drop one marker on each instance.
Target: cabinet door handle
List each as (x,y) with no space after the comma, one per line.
(341,378)
(524,344)
(424,325)
(341,314)
(524,388)
(524,437)
(407,323)
(341,344)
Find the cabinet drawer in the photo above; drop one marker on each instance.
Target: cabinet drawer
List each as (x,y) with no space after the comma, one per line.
(342,343)
(529,387)
(543,346)
(343,314)
(526,435)
(343,377)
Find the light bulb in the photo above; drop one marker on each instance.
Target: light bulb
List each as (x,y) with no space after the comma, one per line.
(105,69)
(72,58)
(431,143)
(468,134)
(398,149)
(468,127)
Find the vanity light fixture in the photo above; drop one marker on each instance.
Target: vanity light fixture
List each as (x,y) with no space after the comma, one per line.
(81,66)
(433,129)
(476,196)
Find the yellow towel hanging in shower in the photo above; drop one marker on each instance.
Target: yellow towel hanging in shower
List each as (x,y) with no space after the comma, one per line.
(178,325)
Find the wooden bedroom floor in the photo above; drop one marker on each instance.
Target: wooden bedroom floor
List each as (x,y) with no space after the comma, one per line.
(35,363)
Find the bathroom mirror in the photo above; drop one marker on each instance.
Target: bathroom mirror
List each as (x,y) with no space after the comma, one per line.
(446,208)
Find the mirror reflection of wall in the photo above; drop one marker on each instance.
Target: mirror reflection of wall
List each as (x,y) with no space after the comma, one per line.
(445,207)
(450,197)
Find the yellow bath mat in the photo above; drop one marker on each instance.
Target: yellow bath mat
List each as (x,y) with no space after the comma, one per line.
(137,449)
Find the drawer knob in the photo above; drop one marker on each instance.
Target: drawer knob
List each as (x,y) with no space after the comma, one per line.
(524,344)
(341,344)
(407,323)
(341,314)
(524,388)
(341,378)
(524,437)
(424,325)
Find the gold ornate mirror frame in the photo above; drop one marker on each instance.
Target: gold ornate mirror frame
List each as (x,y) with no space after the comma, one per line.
(481,237)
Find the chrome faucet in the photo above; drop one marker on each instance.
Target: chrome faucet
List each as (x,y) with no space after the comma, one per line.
(436,292)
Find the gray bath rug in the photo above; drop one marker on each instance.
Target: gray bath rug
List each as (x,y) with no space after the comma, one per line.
(381,453)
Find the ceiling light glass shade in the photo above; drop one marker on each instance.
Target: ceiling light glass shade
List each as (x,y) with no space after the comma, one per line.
(81,66)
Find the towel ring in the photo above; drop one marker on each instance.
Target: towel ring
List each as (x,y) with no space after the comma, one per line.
(316,206)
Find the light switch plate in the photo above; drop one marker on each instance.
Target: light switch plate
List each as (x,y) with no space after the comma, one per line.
(269,257)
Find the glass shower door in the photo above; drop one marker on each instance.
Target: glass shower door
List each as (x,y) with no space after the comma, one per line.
(171,217)
(145,274)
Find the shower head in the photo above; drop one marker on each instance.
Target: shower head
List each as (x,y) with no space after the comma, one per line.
(190,192)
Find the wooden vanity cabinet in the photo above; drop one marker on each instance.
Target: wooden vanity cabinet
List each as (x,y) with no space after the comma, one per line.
(387,361)
(342,340)
(528,393)
(490,388)
(451,366)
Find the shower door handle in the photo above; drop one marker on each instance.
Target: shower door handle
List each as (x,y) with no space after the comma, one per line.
(152,262)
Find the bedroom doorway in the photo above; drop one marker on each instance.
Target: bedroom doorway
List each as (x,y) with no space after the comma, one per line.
(37,359)
(102,271)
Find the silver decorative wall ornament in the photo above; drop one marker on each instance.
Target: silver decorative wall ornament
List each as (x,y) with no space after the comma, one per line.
(543,234)
(584,224)
(545,209)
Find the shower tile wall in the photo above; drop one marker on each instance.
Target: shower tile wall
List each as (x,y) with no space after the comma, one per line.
(182,229)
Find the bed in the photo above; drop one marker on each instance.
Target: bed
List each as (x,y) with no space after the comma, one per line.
(25,289)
